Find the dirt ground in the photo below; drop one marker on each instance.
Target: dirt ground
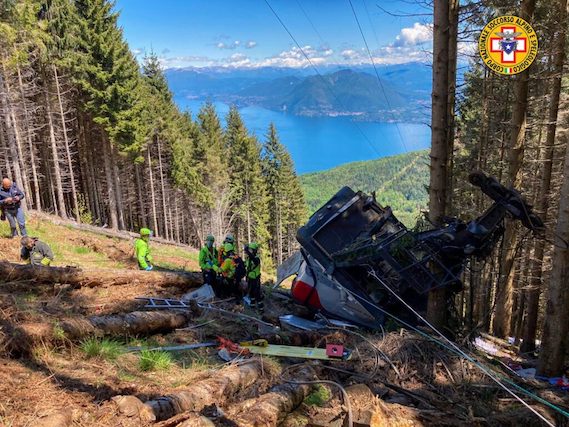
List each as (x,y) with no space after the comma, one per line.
(399,377)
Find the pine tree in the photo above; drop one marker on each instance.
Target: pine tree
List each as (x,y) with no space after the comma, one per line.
(248,189)
(110,82)
(286,200)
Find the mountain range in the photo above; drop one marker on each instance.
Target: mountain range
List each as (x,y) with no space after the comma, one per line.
(401,94)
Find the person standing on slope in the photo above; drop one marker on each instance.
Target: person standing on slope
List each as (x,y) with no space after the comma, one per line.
(253,274)
(221,251)
(232,271)
(142,250)
(11,205)
(209,262)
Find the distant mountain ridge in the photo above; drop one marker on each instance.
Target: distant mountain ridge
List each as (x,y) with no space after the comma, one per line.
(399,181)
(341,91)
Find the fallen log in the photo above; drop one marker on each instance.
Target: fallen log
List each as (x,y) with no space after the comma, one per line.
(206,392)
(77,277)
(270,409)
(23,337)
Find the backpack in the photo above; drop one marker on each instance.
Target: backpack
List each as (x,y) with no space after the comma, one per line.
(240,271)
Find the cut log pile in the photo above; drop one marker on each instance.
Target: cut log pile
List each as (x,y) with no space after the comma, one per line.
(77,277)
(270,409)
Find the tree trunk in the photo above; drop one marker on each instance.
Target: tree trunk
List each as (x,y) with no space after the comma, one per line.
(556,322)
(55,157)
(441,148)
(152,193)
(31,149)
(542,205)
(67,147)
(118,189)
(163,191)
(142,218)
(107,153)
(11,272)
(215,389)
(504,301)
(24,336)
(10,131)
(270,409)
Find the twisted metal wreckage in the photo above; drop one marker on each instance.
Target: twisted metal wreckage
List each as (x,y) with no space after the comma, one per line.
(358,263)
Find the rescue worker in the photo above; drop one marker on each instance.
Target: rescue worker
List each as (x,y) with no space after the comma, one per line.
(232,271)
(253,274)
(220,253)
(36,252)
(11,205)
(142,250)
(209,262)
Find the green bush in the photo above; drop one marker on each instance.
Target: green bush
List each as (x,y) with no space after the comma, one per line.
(154,360)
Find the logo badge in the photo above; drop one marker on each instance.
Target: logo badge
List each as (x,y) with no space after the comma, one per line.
(508,45)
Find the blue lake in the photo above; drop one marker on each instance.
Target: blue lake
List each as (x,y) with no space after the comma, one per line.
(318,143)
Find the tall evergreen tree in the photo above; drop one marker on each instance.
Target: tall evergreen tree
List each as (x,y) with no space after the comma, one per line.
(286,200)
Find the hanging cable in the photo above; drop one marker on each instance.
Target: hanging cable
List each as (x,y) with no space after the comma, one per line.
(377,75)
(326,83)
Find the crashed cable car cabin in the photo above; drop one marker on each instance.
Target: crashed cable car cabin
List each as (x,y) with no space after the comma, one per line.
(357,258)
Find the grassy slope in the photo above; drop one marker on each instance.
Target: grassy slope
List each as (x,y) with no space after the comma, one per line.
(86,249)
(399,181)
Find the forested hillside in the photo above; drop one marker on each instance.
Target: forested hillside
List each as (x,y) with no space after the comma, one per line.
(399,181)
(89,134)
(515,128)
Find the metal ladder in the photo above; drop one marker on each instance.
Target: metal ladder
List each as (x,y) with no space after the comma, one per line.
(163,303)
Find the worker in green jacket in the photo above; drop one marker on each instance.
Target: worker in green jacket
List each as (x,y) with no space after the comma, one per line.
(253,274)
(142,250)
(232,270)
(36,252)
(208,262)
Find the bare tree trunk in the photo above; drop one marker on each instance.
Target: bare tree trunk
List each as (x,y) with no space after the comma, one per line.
(10,130)
(31,150)
(107,153)
(67,147)
(143,220)
(152,193)
(55,157)
(504,300)
(556,322)
(163,190)
(441,148)
(118,189)
(543,195)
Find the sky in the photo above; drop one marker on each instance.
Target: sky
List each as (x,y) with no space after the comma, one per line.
(247,34)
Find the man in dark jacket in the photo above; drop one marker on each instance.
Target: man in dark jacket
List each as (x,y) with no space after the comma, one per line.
(11,205)
(36,252)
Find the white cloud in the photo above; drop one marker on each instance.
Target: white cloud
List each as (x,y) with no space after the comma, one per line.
(250,44)
(231,46)
(350,54)
(238,60)
(415,35)
(137,51)
(295,58)
(184,61)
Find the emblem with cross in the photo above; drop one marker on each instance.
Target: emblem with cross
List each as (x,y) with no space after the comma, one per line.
(509,44)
